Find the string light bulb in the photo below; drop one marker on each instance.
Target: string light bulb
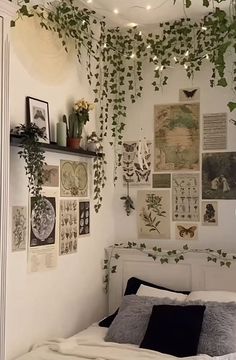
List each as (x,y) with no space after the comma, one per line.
(148,7)
(89,1)
(116,11)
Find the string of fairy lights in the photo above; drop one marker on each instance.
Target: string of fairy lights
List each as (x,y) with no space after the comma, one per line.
(183,60)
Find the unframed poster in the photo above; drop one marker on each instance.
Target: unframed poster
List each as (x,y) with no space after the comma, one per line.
(186,231)
(190,94)
(74,178)
(19,228)
(42,249)
(210,213)
(176,137)
(153,210)
(185,197)
(215,131)
(68,226)
(51,176)
(219,175)
(161,180)
(134,172)
(84,218)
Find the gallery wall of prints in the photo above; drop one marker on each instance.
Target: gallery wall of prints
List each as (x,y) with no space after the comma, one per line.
(180,163)
(64,220)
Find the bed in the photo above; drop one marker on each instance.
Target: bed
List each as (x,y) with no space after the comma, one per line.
(158,298)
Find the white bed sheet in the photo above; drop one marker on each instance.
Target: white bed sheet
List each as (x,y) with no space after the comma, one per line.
(89,344)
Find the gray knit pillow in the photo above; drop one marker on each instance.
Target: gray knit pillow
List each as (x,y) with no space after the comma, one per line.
(130,324)
(218,335)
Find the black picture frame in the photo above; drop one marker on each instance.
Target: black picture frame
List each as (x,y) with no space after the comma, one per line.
(37,112)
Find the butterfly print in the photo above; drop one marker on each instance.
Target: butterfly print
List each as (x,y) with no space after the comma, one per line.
(186,232)
(190,93)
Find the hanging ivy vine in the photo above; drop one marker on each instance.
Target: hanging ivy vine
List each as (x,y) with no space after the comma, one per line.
(115,60)
(110,264)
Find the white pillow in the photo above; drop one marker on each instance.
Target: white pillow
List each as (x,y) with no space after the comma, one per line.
(150,291)
(218,296)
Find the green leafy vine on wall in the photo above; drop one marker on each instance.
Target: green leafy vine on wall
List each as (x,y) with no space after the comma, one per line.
(163,256)
(116,57)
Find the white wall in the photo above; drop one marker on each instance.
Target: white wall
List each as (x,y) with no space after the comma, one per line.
(142,115)
(63,301)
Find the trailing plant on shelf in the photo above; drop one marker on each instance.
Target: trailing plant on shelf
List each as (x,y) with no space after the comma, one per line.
(34,157)
(115,61)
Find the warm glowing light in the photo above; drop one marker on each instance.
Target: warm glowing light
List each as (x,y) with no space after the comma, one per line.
(89,1)
(132,24)
(116,11)
(148,7)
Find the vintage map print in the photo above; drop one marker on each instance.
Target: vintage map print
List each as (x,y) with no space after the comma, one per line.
(176,139)
(74,178)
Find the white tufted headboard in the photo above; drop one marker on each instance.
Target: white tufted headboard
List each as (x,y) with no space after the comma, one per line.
(193,273)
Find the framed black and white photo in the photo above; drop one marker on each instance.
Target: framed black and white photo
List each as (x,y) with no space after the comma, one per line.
(38,113)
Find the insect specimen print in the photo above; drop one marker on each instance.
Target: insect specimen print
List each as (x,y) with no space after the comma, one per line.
(84,218)
(136,162)
(68,226)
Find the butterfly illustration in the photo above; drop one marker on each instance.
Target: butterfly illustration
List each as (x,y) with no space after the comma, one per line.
(190,93)
(186,233)
(39,115)
(129,147)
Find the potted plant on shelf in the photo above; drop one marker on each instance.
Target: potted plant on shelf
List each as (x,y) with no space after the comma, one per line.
(76,121)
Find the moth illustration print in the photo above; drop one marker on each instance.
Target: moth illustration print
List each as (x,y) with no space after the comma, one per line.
(136,162)
(186,231)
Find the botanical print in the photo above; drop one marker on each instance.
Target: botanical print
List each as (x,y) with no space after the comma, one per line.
(219,175)
(74,178)
(192,94)
(84,218)
(19,228)
(186,231)
(43,232)
(161,180)
(176,137)
(153,209)
(185,197)
(209,213)
(51,176)
(136,162)
(215,131)
(68,226)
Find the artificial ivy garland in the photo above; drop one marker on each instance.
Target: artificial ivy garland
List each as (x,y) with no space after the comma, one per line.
(115,60)
(164,256)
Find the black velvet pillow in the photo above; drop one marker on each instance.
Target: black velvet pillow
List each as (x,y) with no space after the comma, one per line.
(132,287)
(174,329)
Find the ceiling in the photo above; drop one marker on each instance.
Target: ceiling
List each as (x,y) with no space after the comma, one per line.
(135,11)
